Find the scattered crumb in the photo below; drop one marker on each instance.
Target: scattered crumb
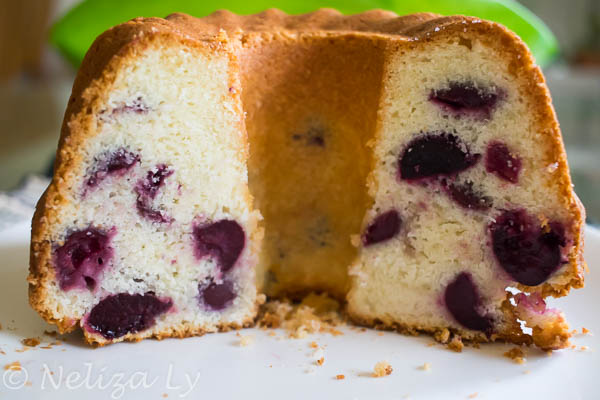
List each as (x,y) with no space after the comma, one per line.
(340,377)
(313,345)
(431,344)
(46,347)
(51,333)
(24,349)
(320,361)
(2,352)
(28,383)
(272,333)
(442,336)
(516,354)
(363,329)
(165,395)
(382,368)
(584,348)
(585,331)
(246,340)
(425,367)
(270,365)
(315,313)
(456,344)
(380,333)
(13,366)
(31,342)
(527,372)
(549,353)
(472,395)
(573,347)
(475,345)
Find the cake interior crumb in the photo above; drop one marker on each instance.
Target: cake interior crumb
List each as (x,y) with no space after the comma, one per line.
(315,313)
(516,354)
(456,344)
(382,368)
(425,367)
(246,340)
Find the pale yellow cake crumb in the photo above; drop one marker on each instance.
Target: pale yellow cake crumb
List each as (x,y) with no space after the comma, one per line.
(516,354)
(382,368)
(315,313)
(246,340)
(425,367)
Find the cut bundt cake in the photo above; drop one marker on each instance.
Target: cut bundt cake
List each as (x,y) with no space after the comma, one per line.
(410,165)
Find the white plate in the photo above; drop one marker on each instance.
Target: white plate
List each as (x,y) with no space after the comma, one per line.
(217,367)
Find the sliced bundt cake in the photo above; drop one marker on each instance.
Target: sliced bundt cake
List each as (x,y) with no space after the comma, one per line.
(413,164)
(147,228)
(471,193)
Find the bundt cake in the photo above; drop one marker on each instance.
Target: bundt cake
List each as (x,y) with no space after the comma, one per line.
(410,165)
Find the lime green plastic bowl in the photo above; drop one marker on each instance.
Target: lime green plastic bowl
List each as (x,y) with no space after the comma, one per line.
(74,33)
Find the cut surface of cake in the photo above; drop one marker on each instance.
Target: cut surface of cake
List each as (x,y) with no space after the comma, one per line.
(411,166)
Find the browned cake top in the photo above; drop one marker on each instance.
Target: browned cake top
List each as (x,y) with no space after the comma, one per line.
(272,20)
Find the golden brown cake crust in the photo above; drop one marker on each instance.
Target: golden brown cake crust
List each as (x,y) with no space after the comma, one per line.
(124,41)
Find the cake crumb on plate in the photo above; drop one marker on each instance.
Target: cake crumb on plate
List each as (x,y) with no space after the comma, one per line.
(382,368)
(456,344)
(340,377)
(315,313)
(31,342)
(516,354)
(425,367)
(246,340)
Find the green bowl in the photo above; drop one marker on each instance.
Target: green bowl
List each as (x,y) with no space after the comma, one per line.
(74,33)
